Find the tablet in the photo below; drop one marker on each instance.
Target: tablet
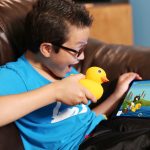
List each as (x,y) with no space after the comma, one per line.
(136,102)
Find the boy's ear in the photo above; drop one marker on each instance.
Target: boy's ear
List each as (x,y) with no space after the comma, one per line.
(45,49)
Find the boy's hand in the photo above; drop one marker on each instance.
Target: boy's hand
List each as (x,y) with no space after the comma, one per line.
(70,92)
(123,83)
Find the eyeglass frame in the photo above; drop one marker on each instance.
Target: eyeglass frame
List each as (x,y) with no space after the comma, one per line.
(72,50)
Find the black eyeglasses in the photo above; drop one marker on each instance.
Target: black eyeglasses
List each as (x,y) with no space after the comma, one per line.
(78,53)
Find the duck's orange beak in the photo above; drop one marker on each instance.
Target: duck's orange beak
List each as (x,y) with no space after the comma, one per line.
(104,79)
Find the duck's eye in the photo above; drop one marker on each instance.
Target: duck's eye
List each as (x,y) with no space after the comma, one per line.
(99,71)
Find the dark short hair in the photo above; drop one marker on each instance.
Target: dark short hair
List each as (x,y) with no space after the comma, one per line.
(49,21)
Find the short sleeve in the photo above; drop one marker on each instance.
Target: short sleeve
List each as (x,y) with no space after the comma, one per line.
(11,82)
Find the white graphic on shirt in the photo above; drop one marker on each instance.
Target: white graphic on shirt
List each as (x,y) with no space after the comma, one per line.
(69,112)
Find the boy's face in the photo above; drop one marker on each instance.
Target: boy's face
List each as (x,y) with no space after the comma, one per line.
(60,63)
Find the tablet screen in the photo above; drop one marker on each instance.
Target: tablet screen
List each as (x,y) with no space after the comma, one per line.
(137,100)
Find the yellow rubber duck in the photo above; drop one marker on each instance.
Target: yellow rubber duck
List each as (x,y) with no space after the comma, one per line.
(94,77)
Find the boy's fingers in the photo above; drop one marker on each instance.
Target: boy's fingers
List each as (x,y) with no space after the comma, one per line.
(90,96)
(84,100)
(138,77)
(78,76)
(131,77)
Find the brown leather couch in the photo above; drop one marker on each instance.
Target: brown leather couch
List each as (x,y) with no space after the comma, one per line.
(115,59)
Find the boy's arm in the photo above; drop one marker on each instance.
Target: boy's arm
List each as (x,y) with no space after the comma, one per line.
(68,91)
(13,107)
(111,102)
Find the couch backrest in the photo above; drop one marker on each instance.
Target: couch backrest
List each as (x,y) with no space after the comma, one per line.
(12,14)
(116,60)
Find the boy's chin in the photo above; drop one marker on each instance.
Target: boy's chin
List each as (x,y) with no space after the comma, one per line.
(57,75)
(61,74)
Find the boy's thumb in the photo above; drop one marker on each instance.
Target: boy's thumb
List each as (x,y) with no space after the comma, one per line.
(79,76)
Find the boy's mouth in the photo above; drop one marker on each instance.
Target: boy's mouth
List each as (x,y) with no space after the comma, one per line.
(71,65)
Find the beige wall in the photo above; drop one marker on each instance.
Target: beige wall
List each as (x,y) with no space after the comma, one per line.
(112,23)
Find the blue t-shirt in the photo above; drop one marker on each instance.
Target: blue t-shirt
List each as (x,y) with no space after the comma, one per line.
(55,126)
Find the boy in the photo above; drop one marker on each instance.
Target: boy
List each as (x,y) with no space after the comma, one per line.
(48,107)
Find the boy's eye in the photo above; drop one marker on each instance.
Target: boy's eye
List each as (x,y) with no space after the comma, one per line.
(99,71)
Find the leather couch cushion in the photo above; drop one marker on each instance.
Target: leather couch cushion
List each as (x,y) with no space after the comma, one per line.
(10,138)
(12,14)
